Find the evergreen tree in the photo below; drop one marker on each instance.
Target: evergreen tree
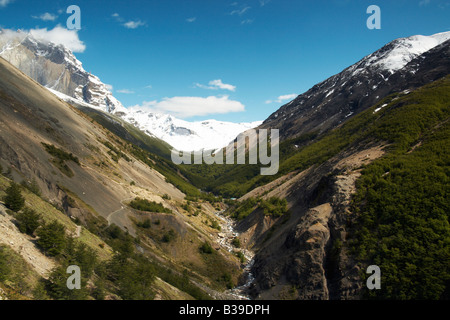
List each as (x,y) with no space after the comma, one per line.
(52,238)
(28,221)
(57,286)
(14,199)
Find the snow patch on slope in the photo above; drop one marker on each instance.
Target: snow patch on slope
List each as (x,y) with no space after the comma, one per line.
(406,49)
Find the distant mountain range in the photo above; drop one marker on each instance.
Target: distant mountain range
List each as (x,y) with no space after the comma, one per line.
(321,108)
(56,68)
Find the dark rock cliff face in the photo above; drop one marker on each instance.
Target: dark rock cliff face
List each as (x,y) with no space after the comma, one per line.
(303,256)
(55,67)
(355,89)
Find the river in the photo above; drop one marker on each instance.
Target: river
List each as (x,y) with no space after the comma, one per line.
(226,237)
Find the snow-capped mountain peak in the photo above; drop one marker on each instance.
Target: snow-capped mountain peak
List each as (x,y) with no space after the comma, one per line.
(398,53)
(402,64)
(402,51)
(186,135)
(56,67)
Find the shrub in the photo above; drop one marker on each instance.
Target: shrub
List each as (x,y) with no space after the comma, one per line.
(146,224)
(216,225)
(60,157)
(169,236)
(4,265)
(206,248)
(228,280)
(241,256)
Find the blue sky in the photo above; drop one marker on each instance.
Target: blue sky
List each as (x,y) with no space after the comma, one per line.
(235,60)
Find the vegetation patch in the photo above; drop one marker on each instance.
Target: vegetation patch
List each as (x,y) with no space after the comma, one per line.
(274,207)
(60,157)
(148,206)
(402,204)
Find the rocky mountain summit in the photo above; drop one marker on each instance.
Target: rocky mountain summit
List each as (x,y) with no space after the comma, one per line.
(55,67)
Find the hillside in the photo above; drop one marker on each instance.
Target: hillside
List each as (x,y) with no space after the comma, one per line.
(383,190)
(90,176)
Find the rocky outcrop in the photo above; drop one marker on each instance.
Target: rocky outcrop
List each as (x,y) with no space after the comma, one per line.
(309,241)
(55,67)
(304,255)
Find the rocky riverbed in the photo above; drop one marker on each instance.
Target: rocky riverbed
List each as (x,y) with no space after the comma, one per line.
(225,238)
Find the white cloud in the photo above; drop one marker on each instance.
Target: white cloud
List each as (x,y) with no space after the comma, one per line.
(216,85)
(109,87)
(4,3)
(186,107)
(283,98)
(134,24)
(263,2)
(247,21)
(125,91)
(240,11)
(424,2)
(60,35)
(149,86)
(193,19)
(117,17)
(46,17)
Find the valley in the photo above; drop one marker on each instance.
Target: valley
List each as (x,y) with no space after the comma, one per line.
(363,179)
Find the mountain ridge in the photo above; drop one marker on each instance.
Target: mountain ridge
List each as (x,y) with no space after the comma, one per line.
(356,87)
